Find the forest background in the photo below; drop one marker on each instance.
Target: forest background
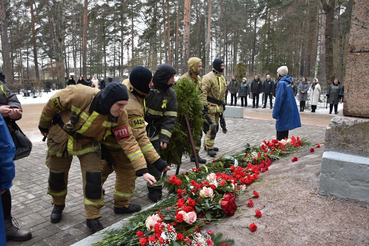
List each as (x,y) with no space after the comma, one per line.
(43,40)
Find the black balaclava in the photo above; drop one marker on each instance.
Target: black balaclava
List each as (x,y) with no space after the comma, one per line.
(216,65)
(140,79)
(163,73)
(112,93)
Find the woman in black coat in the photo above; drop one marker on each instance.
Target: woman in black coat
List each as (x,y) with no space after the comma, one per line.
(334,94)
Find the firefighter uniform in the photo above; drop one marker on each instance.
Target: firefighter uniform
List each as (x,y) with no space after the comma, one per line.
(213,94)
(75,123)
(121,164)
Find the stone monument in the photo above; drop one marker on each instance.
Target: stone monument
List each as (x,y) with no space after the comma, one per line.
(345,163)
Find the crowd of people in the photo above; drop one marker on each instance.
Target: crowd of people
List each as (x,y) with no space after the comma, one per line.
(121,127)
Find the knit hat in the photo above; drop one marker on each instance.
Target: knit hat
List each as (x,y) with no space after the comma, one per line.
(113,93)
(193,62)
(140,79)
(316,80)
(244,78)
(163,73)
(216,65)
(282,71)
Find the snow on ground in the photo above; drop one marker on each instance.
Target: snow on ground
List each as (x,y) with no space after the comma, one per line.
(39,99)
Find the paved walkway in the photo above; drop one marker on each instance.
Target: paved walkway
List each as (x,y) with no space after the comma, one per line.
(32,206)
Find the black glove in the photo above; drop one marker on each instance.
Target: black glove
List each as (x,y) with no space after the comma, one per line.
(43,130)
(160,164)
(206,109)
(224,108)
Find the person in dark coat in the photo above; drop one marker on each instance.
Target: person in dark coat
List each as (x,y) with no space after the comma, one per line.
(71,81)
(268,90)
(102,84)
(233,87)
(256,89)
(243,92)
(334,93)
(82,81)
(303,93)
(285,108)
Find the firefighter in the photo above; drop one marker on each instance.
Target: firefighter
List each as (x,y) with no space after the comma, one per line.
(138,85)
(161,115)
(74,120)
(213,94)
(194,69)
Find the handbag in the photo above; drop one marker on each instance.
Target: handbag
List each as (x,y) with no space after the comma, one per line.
(23,146)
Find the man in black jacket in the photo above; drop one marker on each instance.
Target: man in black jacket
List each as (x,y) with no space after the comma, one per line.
(256,89)
(268,90)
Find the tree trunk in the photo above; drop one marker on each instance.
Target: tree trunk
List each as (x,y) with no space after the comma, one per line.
(186,34)
(34,42)
(177,36)
(168,35)
(328,8)
(84,39)
(7,69)
(207,61)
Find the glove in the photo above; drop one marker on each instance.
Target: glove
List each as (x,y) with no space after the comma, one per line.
(160,164)
(141,172)
(43,130)
(224,108)
(206,109)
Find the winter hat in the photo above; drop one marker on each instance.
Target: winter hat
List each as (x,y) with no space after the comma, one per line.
(193,62)
(163,73)
(113,93)
(316,80)
(244,78)
(216,65)
(140,79)
(282,71)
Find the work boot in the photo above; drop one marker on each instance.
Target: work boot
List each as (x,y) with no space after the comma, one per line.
(155,193)
(132,208)
(201,160)
(94,225)
(14,233)
(56,214)
(214,148)
(211,153)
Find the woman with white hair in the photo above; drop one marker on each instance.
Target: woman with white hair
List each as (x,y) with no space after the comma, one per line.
(315,90)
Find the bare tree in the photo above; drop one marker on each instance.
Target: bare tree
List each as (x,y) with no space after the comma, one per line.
(7,68)
(186,33)
(84,38)
(207,61)
(34,42)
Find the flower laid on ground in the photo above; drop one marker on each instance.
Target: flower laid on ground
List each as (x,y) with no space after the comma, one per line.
(253,227)
(294,159)
(257,213)
(317,145)
(311,150)
(201,196)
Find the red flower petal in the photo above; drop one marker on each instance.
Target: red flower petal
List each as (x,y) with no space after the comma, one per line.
(253,227)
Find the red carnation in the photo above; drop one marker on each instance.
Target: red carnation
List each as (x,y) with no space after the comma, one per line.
(210,232)
(311,149)
(250,203)
(253,227)
(139,234)
(257,213)
(294,159)
(256,195)
(180,236)
(179,218)
(317,145)
(143,241)
(228,204)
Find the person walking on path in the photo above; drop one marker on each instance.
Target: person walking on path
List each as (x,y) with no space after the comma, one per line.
(244,92)
(74,120)
(285,108)
(194,70)
(303,89)
(333,95)
(268,90)
(10,110)
(256,89)
(213,95)
(161,116)
(315,90)
(233,87)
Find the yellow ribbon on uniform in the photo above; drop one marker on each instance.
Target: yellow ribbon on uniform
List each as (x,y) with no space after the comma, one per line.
(164,105)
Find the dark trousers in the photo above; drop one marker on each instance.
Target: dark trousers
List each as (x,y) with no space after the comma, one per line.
(282,135)
(255,100)
(331,107)
(313,108)
(244,99)
(6,200)
(151,168)
(302,106)
(234,96)
(270,96)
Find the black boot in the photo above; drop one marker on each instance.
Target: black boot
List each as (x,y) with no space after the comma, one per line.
(14,233)
(201,160)
(214,148)
(132,208)
(211,153)
(94,225)
(155,193)
(56,214)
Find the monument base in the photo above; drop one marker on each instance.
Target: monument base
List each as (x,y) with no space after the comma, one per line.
(344,175)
